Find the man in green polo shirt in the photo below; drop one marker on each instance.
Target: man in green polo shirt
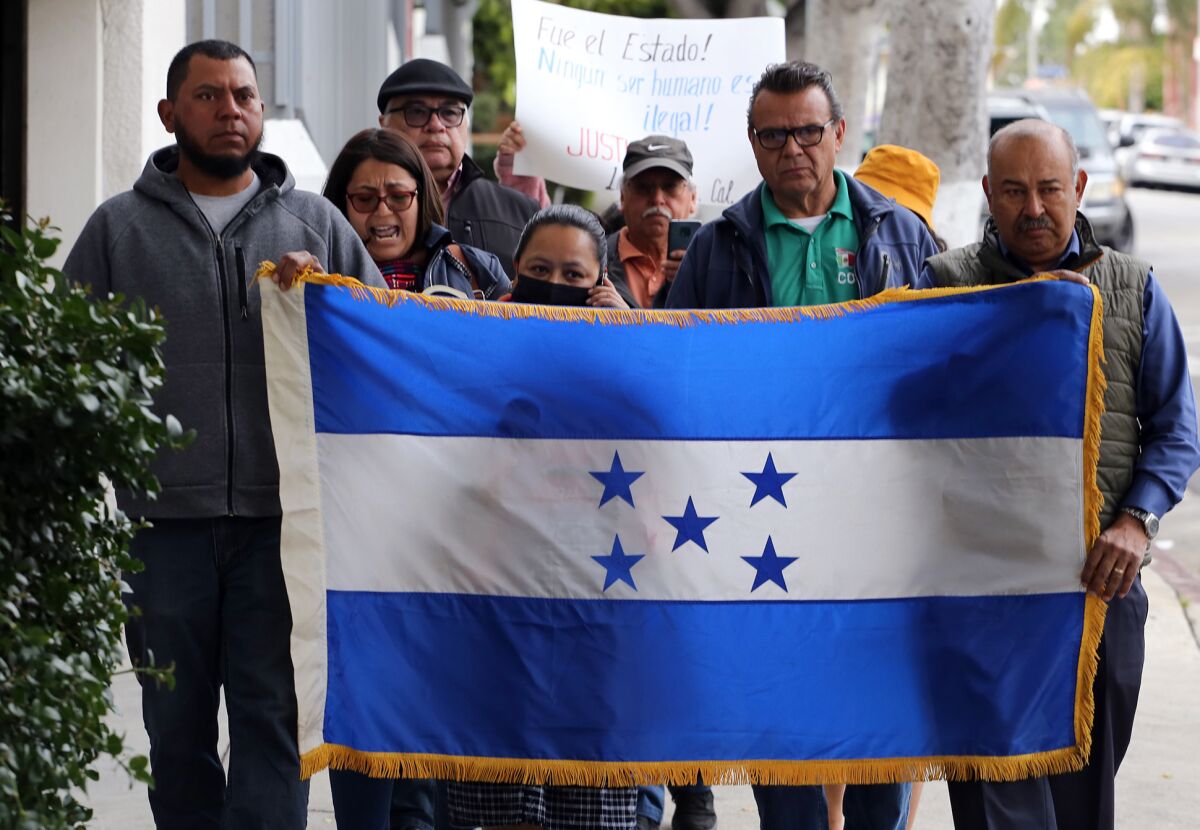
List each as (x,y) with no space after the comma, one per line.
(811,258)
(807,235)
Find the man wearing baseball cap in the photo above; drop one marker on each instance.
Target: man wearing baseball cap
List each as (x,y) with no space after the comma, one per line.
(656,187)
(426,101)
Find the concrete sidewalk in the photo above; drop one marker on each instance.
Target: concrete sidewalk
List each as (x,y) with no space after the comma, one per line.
(1157,786)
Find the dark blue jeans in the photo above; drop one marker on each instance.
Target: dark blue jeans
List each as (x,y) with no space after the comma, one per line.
(865,806)
(211,600)
(366,803)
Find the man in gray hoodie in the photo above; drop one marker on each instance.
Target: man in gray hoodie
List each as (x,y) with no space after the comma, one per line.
(211,598)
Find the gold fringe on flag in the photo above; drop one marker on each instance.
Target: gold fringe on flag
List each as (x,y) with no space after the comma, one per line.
(1095,608)
(620,316)
(625,774)
(856,771)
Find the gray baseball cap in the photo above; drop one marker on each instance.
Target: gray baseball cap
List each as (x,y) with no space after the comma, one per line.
(657,151)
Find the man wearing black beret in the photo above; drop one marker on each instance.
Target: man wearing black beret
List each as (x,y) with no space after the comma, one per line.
(427,102)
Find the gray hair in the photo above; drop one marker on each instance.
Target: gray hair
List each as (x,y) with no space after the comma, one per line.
(795,76)
(621,181)
(1034,128)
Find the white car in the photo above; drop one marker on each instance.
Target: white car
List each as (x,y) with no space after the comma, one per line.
(1165,158)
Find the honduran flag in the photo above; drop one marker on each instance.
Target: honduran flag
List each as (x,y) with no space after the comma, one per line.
(578,546)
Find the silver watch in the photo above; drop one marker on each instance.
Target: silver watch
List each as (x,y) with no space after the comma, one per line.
(1149,520)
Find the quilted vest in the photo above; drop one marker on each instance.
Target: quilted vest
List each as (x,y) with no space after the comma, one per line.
(1121,280)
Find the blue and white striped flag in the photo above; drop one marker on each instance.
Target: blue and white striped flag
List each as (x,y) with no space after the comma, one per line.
(779,545)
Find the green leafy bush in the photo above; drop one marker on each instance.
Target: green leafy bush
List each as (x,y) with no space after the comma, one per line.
(76,375)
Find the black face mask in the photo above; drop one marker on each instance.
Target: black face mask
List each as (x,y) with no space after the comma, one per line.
(541,292)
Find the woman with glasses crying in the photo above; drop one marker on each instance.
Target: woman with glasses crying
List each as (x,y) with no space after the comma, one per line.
(382,184)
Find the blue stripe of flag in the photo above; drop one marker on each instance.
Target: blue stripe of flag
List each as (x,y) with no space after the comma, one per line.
(986,364)
(501,677)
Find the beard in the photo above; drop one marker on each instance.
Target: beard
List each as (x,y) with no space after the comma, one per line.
(219,167)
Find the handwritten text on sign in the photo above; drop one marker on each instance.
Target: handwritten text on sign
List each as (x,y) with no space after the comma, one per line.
(588,84)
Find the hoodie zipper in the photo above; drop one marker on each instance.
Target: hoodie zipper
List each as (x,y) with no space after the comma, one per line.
(227,325)
(223,287)
(240,259)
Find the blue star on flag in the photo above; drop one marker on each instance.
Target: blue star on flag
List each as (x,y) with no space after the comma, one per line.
(690,526)
(616,482)
(768,483)
(769,566)
(618,565)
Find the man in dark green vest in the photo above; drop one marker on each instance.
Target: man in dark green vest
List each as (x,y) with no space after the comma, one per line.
(1148,446)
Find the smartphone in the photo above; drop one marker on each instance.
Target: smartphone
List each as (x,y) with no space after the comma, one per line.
(680,233)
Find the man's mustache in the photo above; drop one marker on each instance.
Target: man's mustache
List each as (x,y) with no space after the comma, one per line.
(1031,223)
(657,210)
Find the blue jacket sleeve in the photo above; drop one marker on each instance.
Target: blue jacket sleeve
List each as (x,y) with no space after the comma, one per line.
(1170,451)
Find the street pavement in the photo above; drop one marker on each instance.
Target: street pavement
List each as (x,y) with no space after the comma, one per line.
(1159,783)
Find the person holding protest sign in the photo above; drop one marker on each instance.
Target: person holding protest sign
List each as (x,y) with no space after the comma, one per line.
(427,102)
(807,235)
(512,141)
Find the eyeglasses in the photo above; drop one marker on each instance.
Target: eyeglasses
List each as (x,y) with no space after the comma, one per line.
(774,138)
(397,200)
(646,187)
(418,115)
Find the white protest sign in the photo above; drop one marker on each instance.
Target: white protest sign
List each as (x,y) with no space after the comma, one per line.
(588,84)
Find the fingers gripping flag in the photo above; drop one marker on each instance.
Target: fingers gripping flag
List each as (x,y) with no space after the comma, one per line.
(774,545)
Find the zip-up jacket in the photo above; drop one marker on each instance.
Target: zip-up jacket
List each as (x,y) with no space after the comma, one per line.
(488,215)
(153,242)
(726,262)
(443,269)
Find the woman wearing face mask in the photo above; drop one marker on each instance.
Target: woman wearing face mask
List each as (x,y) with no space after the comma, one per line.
(561,259)
(384,187)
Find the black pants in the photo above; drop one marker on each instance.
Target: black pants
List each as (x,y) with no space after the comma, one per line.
(211,600)
(1081,800)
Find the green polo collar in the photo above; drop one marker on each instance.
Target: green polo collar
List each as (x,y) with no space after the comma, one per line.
(772,215)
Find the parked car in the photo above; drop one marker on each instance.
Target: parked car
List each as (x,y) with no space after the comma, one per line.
(1111,119)
(1132,125)
(1104,199)
(1006,107)
(1165,158)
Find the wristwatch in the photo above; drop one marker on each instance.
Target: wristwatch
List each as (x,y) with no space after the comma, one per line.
(1150,525)
(1149,520)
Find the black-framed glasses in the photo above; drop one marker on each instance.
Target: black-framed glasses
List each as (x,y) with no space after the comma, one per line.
(774,138)
(418,115)
(397,200)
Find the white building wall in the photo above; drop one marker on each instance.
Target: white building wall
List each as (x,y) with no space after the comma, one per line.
(64,167)
(96,71)
(164,24)
(122,33)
